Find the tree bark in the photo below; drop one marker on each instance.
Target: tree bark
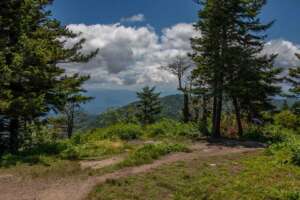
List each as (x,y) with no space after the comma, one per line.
(204,116)
(238,116)
(186,109)
(217,109)
(70,120)
(14,127)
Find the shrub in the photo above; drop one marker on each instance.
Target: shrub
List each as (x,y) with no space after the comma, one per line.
(269,133)
(101,148)
(296,155)
(171,128)
(287,119)
(254,133)
(150,152)
(71,152)
(293,196)
(119,131)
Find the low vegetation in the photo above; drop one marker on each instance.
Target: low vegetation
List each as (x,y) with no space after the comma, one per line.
(149,152)
(248,176)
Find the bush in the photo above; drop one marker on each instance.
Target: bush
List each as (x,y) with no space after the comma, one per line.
(101,148)
(71,153)
(269,133)
(171,128)
(150,152)
(296,155)
(293,196)
(287,119)
(119,131)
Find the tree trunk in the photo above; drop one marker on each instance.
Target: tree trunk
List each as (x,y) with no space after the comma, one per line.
(217,110)
(238,116)
(186,109)
(70,129)
(70,121)
(204,116)
(14,127)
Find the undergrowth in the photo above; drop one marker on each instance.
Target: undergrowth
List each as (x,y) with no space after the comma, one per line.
(150,152)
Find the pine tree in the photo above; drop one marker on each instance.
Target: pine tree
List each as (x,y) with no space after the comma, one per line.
(202,95)
(73,95)
(294,79)
(210,53)
(32,47)
(251,75)
(228,57)
(149,106)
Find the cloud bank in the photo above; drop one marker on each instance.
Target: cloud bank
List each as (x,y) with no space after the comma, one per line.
(132,56)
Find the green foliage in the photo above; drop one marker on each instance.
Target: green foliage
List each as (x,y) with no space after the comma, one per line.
(82,146)
(71,152)
(294,79)
(248,176)
(296,108)
(150,152)
(120,131)
(268,134)
(226,55)
(171,108)
(170,128)
(31,81)
(287,119)
(149,106)
(114,116)
(296,155)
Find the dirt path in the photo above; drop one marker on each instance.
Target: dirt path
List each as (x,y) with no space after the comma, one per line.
(79,189)
(98,164)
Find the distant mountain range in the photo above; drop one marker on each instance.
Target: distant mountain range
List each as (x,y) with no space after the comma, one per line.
(104,99)
(123,100)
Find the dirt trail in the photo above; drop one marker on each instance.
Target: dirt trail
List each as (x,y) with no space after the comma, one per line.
(79,189)
(98,164)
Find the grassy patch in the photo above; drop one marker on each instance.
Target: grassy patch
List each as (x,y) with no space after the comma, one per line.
(94,149)
(118,131)
(47,167)
(150,152)
(234,177)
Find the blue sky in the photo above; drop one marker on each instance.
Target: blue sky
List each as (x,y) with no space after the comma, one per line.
(165,13)
(137,37)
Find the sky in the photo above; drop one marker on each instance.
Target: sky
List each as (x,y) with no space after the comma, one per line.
(137,37)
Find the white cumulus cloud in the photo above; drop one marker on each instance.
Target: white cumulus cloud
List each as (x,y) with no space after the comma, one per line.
(286,51)
(134,18)
(132,56)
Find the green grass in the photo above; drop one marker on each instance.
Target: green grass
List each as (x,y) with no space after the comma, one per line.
(150,152)
(236,177)
(48,167)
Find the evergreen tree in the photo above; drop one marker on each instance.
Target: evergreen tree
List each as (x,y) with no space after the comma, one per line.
(201,95)
(294,79)
(74,97)
(252,76)
(32,46)
(228,57)
(210,53)
(148,106)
